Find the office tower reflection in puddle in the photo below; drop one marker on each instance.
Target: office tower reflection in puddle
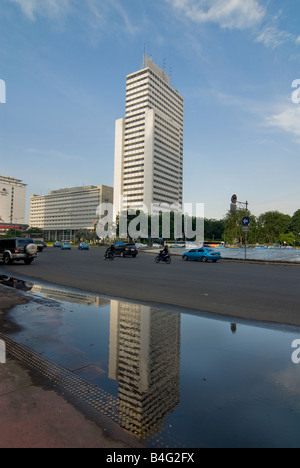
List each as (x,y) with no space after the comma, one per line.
(144,356)
(170,377)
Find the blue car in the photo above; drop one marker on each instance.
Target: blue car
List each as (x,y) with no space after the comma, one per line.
(57,245)
(66,246)
(83,246)
(204,254)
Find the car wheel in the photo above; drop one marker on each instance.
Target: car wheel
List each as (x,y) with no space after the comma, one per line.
(6,259)
(186,258)
(204,259)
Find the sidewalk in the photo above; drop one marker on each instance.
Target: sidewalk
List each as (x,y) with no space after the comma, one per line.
(33,416)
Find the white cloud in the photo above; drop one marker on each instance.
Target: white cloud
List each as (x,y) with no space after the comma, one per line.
(298,40)
(231,14)
(97,14)
(103,11)
(273,37)
(53,9)
(288,120)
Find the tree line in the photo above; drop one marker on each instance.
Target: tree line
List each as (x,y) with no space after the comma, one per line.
(271,227)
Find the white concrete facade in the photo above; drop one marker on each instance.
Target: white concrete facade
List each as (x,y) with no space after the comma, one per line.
(12,200)
(149,142)
(69,209)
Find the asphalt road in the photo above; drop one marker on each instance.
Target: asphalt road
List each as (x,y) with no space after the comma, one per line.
(261,292)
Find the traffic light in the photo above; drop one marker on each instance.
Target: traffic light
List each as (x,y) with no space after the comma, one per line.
(233,203)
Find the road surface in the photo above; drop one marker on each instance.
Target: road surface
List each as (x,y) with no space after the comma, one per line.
(261,292)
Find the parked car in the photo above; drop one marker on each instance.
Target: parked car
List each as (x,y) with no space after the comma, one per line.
(83,246)
(57,245)
(66,246)
(17,249)
(125,250)
(204,254)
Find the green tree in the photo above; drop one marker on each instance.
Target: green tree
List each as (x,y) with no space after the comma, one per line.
(287,239)
(84,235)
(34,230)
(295,223)
(271,224)
(233,225)
(295,226)
(214,229)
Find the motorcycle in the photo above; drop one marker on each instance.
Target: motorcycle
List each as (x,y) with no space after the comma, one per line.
(163,258)
(109,255)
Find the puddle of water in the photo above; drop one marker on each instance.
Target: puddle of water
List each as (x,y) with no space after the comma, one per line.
(180,380)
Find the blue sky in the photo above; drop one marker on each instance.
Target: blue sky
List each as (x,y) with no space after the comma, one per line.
(65,63)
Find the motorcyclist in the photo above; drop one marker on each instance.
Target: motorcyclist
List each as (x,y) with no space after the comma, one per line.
(110,250)
(165,251)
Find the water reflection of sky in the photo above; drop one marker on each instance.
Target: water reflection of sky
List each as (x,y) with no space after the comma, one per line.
(180,379)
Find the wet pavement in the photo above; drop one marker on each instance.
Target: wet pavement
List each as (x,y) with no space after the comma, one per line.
(36,415)
(163,376)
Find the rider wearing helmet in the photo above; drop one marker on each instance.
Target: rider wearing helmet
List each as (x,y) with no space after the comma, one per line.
(165,251)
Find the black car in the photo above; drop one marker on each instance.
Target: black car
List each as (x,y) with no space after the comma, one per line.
(40,245)
(125,250)
(17,249)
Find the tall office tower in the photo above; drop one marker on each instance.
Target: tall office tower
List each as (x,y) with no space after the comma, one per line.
(149,142)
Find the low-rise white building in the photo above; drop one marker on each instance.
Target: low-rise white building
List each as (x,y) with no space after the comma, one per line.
(62,213)
(12,201)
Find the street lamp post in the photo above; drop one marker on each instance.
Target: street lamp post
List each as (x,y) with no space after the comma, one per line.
(246,231)
(246,221)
